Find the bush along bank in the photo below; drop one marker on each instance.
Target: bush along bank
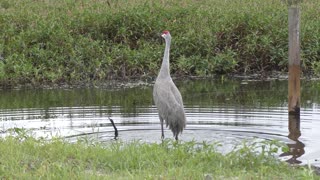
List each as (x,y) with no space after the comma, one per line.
(84,41)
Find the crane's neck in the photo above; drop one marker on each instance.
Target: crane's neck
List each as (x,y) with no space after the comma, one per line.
(165,69)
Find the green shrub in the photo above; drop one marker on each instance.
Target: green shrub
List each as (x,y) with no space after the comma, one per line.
(80,41)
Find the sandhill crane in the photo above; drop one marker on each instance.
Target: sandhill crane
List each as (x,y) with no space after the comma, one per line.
(167,97)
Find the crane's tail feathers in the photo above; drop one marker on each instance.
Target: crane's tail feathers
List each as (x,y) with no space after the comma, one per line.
(176,126)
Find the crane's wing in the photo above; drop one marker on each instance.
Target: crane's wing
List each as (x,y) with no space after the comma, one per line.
(176,93)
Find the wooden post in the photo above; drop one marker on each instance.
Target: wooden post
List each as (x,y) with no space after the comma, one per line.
(294,61)
(294,127)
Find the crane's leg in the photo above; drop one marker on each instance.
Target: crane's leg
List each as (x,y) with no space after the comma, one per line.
(177,137)
(162,132)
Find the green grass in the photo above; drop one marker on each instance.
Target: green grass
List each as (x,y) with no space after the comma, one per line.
(24,157)
(71,41)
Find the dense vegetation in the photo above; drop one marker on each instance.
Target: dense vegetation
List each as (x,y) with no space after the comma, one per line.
(24,157)
(71,41)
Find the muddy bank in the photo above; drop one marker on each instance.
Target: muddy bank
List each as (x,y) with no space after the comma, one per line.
(130,82)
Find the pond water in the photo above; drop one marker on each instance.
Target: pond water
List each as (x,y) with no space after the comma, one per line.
(227,111)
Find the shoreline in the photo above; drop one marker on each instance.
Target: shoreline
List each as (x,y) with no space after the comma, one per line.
(130,82)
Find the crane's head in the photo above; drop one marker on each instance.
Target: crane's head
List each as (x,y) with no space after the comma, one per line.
(165,34)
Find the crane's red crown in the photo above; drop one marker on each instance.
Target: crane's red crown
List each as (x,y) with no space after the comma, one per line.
(165,32)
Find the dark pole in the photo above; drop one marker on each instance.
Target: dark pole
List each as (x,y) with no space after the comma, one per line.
(115,128)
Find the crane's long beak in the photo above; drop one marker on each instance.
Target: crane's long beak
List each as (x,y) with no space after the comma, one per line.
(163,35)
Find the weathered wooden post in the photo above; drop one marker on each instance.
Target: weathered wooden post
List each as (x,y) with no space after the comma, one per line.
(294,61)
(297,148)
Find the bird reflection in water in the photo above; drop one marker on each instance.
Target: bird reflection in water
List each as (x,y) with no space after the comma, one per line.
(296,149)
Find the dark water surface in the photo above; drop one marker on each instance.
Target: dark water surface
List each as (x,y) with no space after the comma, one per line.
(224,111)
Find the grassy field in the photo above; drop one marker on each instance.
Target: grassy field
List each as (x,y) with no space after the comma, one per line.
(24,157)
(71,41)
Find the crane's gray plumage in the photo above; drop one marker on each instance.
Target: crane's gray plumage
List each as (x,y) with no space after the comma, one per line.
(167,96)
